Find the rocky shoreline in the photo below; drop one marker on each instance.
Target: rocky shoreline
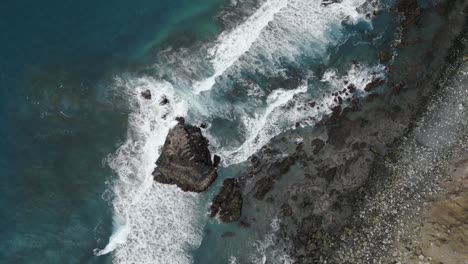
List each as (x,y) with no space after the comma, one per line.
(316,186)
(318,180)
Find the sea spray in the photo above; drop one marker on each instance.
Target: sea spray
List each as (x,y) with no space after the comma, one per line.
(279,31)
(120,232)
(233,44)
(271,249)
(285,108)
(162,223)
(160,220)
(265,124)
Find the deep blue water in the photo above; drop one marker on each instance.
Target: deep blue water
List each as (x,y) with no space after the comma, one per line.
(58,121)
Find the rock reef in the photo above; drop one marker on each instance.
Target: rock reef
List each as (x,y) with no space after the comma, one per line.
(228,202)
(316,187)
(186,160)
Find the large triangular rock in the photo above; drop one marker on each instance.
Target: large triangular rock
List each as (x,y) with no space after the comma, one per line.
(186,160)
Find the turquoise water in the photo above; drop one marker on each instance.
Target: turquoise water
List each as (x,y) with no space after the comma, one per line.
(59,121)
(79,142)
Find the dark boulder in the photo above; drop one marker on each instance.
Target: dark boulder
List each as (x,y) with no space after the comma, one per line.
(146,94)
(352,88)
(216,160)
(185,159)
(376,82)
(204,125)
(164,101)
(228,202)
(330,2)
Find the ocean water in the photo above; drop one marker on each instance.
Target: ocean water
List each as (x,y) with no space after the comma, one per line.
(60,120)
(79,142)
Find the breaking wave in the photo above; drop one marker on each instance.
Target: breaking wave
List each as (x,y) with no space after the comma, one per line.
(159,221)
(280,31)
(155,223)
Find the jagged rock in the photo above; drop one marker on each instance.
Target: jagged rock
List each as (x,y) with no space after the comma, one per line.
(164,101)
(352,88)
(146,94)
(186,160)
(326,189)
(204,125)
(228,202)
(376,82)
(329,2)
(216,160)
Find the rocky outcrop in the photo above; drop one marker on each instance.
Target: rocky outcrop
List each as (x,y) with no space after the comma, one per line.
(228,202)
(146,94)
(376,82)
(186,160)
(317,186)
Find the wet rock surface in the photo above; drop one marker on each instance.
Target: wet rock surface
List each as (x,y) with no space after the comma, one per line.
(315,187)
(186,160)
(146,94)
(228,202)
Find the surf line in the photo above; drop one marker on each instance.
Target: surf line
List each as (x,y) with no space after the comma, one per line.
(231,45)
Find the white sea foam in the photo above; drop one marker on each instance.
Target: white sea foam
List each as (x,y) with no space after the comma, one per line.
(281,30)
(303,28)
(263,125)
(121,230)
(285,108)
(232,260)
(359,75)
(233,44)
(269,251)
(157,222)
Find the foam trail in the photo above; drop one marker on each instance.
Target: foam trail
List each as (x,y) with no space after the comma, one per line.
(300,28)
(231,45)
(263,126)
(118,237)
(160,221)
(268,250)
(286,107)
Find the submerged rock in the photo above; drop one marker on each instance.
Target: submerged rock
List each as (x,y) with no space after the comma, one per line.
(186,160)
(317,144)
(228,202)
(228,234)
